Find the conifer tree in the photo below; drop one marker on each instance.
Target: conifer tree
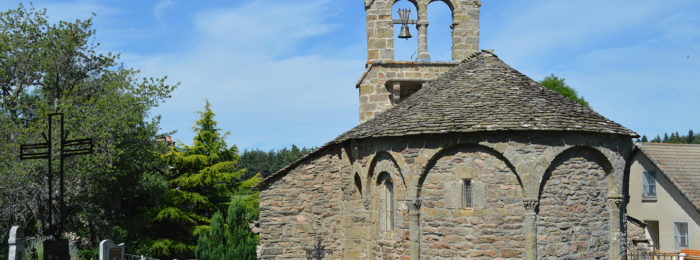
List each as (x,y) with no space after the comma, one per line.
(233,240)
(644,139)
(242,241)
(203,177)
(213,245)
(691,136)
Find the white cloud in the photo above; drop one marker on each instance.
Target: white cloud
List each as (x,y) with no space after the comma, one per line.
(160,7)
(528,31)
(243,63)
(635,62)
(79,9)
(265,27)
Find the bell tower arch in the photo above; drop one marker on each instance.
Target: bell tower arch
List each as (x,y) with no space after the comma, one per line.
(387,81)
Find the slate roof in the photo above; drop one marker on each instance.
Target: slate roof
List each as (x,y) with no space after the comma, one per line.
(484,94)
(680,163)
(480,94)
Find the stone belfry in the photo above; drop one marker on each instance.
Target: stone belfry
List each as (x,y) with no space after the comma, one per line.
(386,81)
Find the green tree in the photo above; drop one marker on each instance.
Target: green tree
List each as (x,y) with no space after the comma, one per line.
(46,68)
(257,161)
(559,85)
(213,244)
(203,177)
(644,139)
(691,137)
(233,240)
(676,138)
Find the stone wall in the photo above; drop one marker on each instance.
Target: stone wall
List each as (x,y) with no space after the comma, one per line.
(638,244)
(380,29)
(491,228)
(377,86)
(572,219)
(575,178)
(381,83)
(300,207)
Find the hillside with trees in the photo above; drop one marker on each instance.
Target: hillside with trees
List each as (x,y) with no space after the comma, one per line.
(674,138)
(267,163)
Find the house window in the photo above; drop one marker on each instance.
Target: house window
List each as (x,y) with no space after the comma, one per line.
(467,193)
(649,185)
(680,235)
(386,202)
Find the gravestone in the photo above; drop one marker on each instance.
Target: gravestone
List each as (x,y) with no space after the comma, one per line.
(111,251)
(16,243)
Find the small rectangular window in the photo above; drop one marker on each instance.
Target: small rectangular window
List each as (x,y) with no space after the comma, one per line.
(680,235)
(467,193)
(649,185)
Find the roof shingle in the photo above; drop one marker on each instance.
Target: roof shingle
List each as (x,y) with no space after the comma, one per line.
(481,94)
(680,163)
(484,94)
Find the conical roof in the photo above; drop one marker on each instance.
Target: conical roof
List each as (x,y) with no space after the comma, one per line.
(484,94)
(481,94)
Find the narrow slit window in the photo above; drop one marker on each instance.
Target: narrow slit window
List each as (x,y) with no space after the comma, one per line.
(467,193)
(390,206)
(386,202)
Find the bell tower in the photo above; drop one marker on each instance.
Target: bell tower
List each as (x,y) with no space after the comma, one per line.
(387,81)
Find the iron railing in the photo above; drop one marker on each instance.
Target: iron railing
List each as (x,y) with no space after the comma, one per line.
(657,255)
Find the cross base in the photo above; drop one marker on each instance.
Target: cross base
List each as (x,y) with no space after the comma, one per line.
(56,249)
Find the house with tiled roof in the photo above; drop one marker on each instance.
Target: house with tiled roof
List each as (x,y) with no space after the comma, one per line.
(664,193)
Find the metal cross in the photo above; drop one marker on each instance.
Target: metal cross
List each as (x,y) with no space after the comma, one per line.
(45,150)
(318,252)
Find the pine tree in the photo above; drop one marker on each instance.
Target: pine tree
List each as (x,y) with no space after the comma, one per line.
(203,177)
(691,137)
(232,240)
(666,140)
(242,241)
(267,163)
(213,244)
(644,139)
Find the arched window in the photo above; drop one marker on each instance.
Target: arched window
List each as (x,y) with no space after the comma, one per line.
(386,202)
(440,31)
(405,49)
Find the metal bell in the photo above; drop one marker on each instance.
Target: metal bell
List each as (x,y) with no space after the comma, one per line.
(405,33)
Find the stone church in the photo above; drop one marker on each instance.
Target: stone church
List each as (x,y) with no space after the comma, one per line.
(467,159)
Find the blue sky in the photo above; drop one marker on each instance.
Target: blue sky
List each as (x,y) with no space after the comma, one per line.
(283,72)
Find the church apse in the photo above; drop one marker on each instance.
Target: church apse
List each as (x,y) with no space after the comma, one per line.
(472,207)
(464,159)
